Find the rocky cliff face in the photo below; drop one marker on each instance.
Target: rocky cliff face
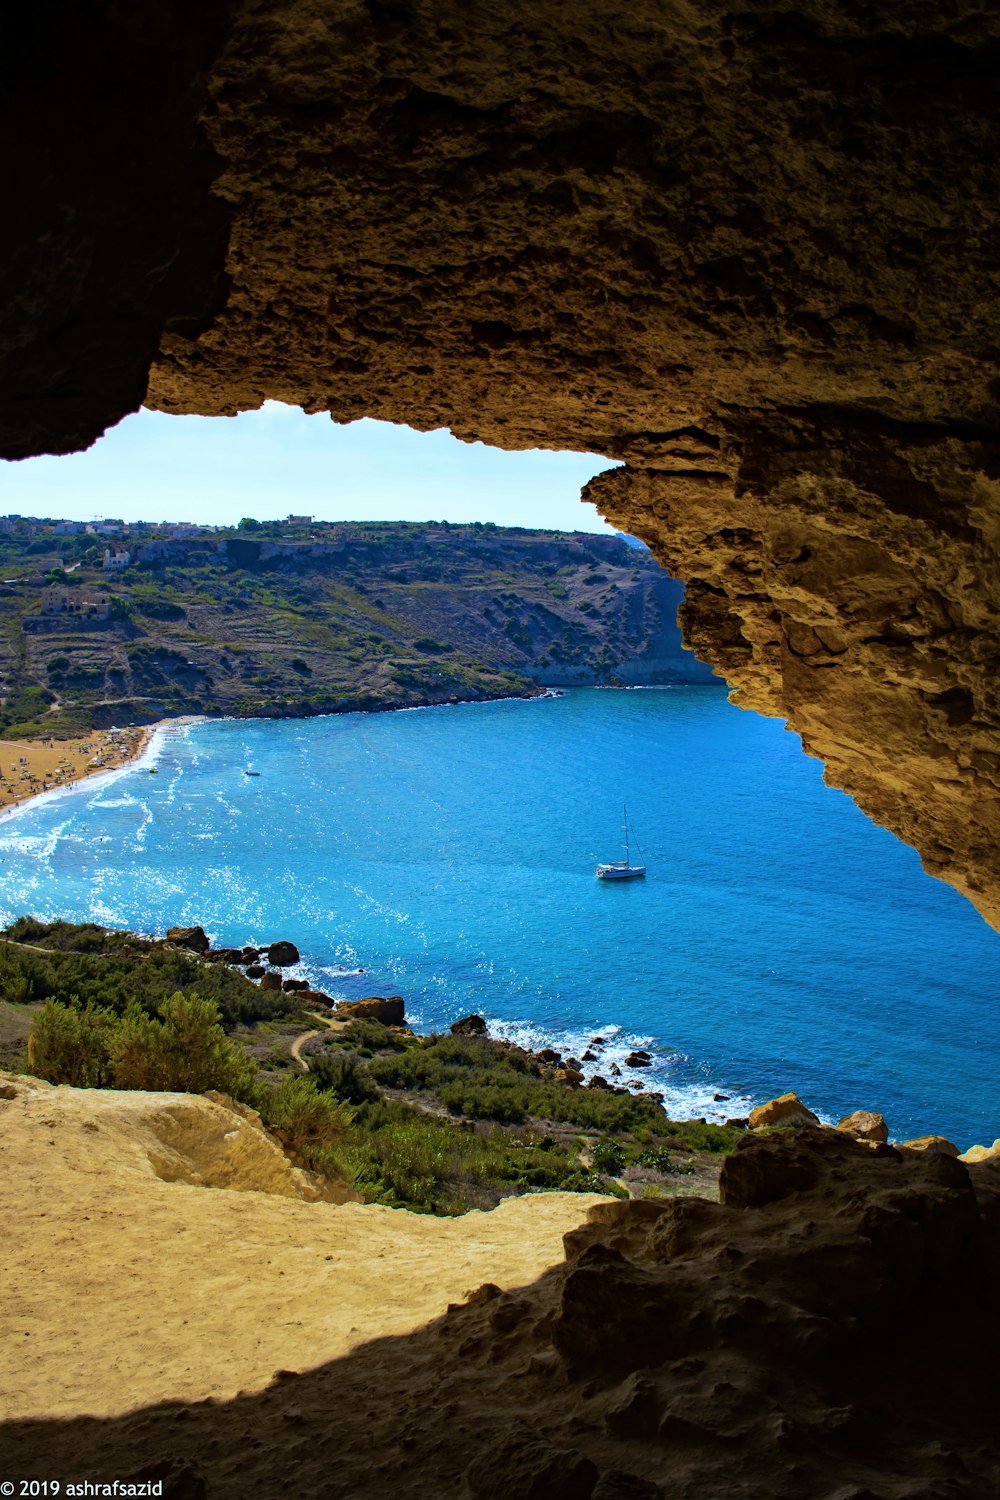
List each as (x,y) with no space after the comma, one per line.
(827,1331)
(751,254)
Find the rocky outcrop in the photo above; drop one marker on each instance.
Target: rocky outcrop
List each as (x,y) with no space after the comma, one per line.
(193,938)
(282,955)
(388,1009)
(751,256)
(865,1125)
(786,1108)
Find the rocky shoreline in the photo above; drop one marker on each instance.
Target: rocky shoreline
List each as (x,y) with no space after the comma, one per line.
(865,1126)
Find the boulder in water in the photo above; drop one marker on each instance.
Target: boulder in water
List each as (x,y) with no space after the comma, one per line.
(934,1145)
(271,982)
(280,955)
(469,1026)
(778,1111)
(388,1009)
(865,1125)
(194,938)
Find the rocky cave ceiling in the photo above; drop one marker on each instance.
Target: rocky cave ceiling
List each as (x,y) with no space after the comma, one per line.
(752,252)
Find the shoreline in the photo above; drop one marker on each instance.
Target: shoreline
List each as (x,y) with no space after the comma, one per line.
(103,753)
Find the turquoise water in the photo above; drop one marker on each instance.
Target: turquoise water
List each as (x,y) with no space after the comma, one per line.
(780,940)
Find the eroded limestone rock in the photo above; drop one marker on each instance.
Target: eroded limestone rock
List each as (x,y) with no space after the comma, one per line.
(750,254)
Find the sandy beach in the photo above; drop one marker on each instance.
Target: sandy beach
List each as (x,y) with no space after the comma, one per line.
(30,767)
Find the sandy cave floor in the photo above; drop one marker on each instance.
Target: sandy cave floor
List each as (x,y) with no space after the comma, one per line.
(123,1289)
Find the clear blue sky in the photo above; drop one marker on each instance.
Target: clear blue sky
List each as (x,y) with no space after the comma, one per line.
(277,461)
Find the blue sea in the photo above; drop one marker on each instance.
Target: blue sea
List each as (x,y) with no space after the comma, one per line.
(780,940)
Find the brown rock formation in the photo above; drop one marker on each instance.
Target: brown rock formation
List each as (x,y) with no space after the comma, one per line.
(827,1331)
(193,938)
(390,1010)
(750,254)
(778,1111)
(865,1125)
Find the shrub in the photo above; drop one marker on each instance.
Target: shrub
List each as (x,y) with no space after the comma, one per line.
(608,1156)
(185,1050)
(69,1045)
(344,1077)
(310,1122)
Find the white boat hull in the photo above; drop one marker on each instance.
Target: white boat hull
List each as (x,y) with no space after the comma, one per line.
(620,872)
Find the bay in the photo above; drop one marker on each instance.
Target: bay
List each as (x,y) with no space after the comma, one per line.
(780,940)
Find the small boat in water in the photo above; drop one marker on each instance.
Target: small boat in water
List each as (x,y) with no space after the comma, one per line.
(624,869)
(251,773)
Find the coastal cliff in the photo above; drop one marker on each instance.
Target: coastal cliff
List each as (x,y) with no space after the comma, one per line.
(290,621)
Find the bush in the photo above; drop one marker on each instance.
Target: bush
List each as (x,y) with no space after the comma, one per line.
(186,1051)
(69,1045)
(608,1156)
(183,1051)
(309,1121)
(343,1077)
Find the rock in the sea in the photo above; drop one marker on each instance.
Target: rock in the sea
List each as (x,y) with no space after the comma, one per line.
(189,937)
(572,1076)
(550,1056)
(389,1009)
(638,1060)
(280,955)
(249,955)
(524,1465)
(936,1145)
(597,1082)
(981,1153)
(777,1111)
(270,981)
(256,971)
(295,984)
(316,997)
(469,1026)
(865,1125)
(589,1056)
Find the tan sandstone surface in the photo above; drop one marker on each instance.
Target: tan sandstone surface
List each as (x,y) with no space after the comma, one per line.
(128,1282)
(827,1331)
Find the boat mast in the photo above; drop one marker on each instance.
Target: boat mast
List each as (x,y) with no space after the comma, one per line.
(625,822)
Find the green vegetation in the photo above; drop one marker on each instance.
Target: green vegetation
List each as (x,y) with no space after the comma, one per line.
(472,1077)
(437,1124)
(89,965)
(253,623)
(184,1048)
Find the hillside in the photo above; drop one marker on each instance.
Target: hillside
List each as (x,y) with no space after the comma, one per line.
(293,621)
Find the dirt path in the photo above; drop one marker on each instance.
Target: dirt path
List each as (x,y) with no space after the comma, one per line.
(307,1036)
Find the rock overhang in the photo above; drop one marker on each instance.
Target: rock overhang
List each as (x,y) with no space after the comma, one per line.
(752,257)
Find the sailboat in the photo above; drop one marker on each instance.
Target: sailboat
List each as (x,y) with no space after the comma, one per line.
(623,869)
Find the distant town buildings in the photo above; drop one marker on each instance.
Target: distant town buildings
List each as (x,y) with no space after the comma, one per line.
(298,520)
(57,601)
(116,559)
